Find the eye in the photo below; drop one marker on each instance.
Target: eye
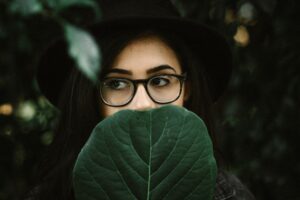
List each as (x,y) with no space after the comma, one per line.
(160,81)
(116,84)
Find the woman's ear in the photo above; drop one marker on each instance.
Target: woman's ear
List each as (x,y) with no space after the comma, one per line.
(187,90)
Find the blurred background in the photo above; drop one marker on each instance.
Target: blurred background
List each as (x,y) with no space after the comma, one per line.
(257,119)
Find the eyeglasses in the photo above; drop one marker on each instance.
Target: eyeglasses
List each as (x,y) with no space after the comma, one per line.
(162,89)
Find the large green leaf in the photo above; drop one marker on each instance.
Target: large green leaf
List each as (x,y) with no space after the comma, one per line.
(84,50)
(163,153)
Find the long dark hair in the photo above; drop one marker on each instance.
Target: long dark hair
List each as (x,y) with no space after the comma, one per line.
(80,109)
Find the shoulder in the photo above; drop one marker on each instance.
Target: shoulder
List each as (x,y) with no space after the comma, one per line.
(229,187)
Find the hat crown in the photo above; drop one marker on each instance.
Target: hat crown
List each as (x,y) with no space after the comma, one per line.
(116,9)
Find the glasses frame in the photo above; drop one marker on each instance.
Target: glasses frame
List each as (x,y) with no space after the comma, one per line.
(144,82)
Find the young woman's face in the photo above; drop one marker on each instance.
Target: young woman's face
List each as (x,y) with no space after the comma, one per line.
(143,58)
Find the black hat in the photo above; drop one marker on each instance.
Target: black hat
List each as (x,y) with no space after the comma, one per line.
(54,66)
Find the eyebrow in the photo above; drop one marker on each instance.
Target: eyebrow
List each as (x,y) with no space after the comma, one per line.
(159,68)
(149,71)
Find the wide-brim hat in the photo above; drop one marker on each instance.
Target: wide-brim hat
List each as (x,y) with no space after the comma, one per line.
(206,43)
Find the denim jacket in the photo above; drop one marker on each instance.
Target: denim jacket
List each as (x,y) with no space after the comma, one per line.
(229,187)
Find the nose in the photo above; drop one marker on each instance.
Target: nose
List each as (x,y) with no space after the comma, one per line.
(141,100)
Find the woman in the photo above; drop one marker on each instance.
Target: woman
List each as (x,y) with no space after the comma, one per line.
(145,45)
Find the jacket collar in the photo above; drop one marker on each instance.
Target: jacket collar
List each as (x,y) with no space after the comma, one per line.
(224,189)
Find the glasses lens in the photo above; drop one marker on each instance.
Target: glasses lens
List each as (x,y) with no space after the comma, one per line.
(116,91)
(164,88)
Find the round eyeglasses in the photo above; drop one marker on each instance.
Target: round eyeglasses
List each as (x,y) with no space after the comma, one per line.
(162,89)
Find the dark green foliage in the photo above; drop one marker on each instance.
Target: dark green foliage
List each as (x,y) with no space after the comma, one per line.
(258,120)
(261,114)
(26,118)
(165,153)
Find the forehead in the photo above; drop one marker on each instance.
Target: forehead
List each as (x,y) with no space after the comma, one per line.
(144,53)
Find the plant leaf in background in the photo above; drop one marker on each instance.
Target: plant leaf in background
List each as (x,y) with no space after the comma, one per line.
(164,153)
(84,50)
(25,7)
(60,5)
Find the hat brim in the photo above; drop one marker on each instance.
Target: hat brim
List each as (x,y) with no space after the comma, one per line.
(212,48)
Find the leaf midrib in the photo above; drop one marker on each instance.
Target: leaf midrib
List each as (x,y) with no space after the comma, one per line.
(150,156)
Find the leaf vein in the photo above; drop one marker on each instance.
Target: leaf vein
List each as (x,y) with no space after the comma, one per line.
(91,174)
(118,171)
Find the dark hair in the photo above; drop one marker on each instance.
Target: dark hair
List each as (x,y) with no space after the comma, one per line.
(80,112)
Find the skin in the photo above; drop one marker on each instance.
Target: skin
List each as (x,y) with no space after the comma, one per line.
(135,61)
